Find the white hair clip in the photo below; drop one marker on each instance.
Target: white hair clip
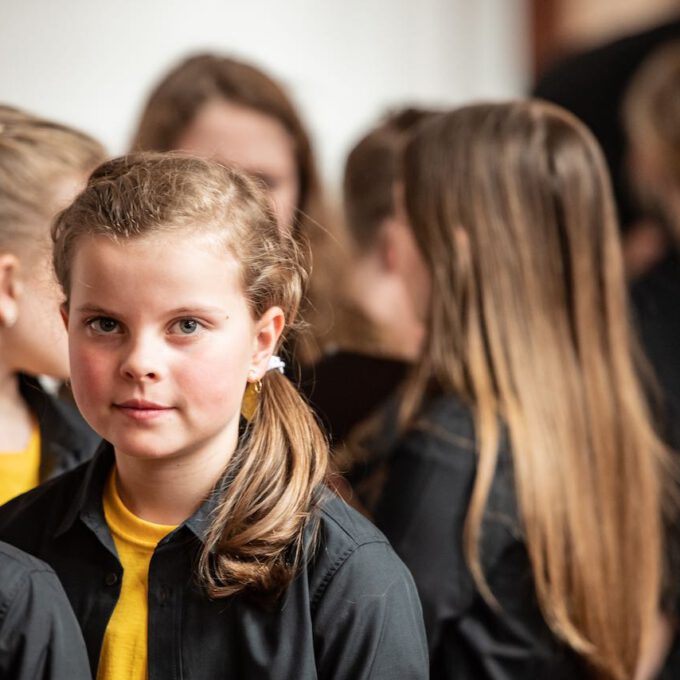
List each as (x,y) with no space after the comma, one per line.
(276,364)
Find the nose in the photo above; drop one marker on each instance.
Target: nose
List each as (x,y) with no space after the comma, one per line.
(143,360)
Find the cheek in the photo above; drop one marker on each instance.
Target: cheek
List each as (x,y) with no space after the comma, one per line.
(90,373)
(215,378)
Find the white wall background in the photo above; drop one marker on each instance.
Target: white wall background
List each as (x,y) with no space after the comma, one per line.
(90,63)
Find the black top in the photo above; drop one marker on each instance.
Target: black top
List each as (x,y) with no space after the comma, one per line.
(657,304)
(345,388)
(422,511)
(39,636)
(352,613)
(65,438)
(592,84)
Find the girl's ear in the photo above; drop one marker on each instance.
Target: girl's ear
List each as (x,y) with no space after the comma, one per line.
(10,289)
(268,330)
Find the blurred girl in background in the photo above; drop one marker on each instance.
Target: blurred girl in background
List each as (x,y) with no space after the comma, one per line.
(42,166)
(527,494)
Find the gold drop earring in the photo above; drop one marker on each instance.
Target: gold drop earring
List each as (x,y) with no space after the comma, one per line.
(251,397)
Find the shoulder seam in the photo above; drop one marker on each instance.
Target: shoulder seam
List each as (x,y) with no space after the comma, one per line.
(335,567)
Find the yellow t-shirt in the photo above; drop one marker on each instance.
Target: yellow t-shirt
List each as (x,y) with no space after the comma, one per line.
(124,651)
(20,470)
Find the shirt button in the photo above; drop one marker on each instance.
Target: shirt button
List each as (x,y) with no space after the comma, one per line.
(111,579)
(163,594)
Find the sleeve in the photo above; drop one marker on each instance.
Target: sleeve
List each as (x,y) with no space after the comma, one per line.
(39,636)
(368,622)
(422,512)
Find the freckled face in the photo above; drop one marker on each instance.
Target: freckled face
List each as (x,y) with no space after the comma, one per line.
(161,341)
(252,141)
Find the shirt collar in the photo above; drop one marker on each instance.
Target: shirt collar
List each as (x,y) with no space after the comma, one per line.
(87,502)
(88,497)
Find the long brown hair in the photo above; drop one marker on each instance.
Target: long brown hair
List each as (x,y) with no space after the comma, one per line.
(275,476)
(201,78)
(511,207)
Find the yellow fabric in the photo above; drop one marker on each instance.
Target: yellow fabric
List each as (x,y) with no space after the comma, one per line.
(20,470)
(124,651)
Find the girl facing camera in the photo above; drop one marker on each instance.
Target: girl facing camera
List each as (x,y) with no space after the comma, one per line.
(201,541)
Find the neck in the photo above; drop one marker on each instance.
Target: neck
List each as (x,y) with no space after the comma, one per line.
(383,299)
(168,491)
(15,416)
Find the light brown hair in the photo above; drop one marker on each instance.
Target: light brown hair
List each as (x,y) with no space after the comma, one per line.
(512,210)
(275,476)
(35,154)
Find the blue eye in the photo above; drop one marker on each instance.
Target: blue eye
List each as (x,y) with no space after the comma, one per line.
(188,326)
(103,324)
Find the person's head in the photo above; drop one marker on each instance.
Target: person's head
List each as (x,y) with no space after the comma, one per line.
(380,317)
(222,108)
(179,285)
(651,110)
(371,171)
(515,248)
(42,166)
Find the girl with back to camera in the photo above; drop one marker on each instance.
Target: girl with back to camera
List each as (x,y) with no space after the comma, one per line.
(225,109)
(42,166)
(196,544)
(527,494)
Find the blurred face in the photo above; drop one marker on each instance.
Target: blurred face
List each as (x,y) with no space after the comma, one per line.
(162,343)
(408,260)
(252,141)
(38,339)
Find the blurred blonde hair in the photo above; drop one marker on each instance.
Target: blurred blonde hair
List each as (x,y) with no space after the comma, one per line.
(35,154)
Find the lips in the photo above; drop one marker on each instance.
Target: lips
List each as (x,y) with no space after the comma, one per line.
(141,409)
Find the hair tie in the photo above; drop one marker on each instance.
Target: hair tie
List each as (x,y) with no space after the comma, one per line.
(276,364)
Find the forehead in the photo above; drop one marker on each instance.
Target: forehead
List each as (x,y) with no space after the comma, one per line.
(153,270)
(239,135)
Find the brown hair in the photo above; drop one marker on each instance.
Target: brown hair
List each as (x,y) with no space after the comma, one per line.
(176,100)
(512,210)
(370,172)
(273,479)
(34,155)
(651,110)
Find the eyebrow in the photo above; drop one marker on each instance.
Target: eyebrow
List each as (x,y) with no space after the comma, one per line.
(178,311)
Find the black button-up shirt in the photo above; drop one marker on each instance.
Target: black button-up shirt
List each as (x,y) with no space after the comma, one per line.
(422,511)
(352,612)
(66,440)
(39,636)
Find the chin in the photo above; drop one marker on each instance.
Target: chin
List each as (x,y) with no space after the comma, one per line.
(142,446)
